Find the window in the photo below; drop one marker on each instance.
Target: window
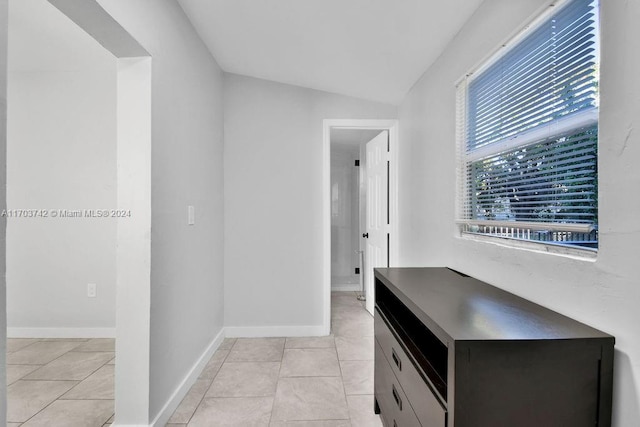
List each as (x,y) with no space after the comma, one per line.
(528,134)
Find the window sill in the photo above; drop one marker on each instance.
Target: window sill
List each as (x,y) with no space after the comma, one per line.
(564,251)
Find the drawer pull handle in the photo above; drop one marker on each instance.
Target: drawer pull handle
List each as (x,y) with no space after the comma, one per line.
(396,397)
(396,359)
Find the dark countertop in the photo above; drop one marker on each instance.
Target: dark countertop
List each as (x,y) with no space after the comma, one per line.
(461,308)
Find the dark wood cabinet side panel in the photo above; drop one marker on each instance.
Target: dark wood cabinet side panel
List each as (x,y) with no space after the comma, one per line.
(551,383)
(606,385)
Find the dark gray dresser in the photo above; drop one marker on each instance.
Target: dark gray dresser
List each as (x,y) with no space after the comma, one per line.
(452,351)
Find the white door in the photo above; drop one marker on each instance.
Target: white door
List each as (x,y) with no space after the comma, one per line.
(377,229)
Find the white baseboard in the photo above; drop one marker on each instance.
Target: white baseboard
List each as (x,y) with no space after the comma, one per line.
(181,391)
(349,287)
(61,332)
(274,331)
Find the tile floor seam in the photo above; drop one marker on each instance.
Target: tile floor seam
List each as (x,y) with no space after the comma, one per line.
(343,389)
(204,395)
(199,401)
(79,380)
(355,337)
(58,397)
(48,361)
(97,369)
(275,393)
(50,403)
(57,400)
(22,348)
(344,394)
(77,385)
(312,376)
(82,398)
(231,398)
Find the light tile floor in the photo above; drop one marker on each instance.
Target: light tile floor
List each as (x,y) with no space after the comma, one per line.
(290,382)
(270,382)
(60,382)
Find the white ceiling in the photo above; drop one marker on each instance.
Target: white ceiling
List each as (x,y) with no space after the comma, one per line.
(352,137)
(371,49)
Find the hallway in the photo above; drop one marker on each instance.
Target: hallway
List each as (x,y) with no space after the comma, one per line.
(271,382)
(322,381)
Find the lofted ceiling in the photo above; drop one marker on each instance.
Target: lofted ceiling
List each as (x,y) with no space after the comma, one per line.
(370,49)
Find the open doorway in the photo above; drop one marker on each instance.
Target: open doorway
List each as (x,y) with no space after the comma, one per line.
(360,215)
(61,256)
(348,212)
(350,173)
(79,153)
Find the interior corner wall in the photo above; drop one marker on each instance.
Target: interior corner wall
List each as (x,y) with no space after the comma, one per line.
(3,163)
(61,161)
(604,293)
(186,169)
(273,202)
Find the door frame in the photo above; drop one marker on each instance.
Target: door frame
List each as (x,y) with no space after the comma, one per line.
(356,124)
(133,181)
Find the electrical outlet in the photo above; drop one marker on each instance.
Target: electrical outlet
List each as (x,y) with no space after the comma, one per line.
(92,290)
(191,215)
(357,270)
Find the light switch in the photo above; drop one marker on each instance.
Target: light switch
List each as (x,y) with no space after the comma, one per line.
(191,215)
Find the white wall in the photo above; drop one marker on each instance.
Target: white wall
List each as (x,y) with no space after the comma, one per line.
(61,155)
(187,124)
(604,293)
(345,216)
(3,162)
(273,202)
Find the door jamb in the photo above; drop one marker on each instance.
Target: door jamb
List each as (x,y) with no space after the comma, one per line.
(133,176)
(374,124)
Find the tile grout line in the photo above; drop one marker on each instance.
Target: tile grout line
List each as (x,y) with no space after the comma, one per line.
(275,393)
(52,360)
(81,381)
(210,384)
(22,348)
(34,415)
(59,380)
(50,403)
(344,392)
(278,383)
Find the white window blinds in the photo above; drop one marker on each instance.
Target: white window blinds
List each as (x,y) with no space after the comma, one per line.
(528,134)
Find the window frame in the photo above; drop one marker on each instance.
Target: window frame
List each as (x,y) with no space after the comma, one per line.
(574,124)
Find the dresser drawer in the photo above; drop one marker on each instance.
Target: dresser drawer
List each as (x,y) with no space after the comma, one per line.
(394,406)
(426,406)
